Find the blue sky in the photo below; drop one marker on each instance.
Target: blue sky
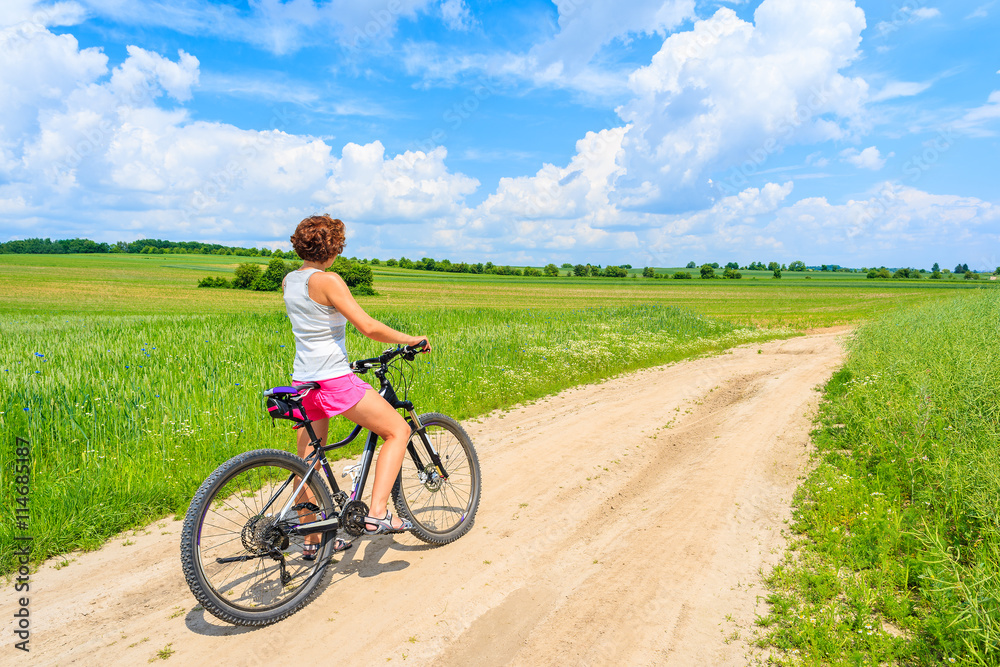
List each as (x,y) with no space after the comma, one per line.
(654,132)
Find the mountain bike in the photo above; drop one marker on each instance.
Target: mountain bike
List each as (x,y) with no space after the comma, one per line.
(244,532)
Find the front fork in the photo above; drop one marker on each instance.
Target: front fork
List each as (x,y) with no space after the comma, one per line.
(421,431)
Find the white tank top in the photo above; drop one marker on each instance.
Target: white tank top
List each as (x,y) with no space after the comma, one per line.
(320,332)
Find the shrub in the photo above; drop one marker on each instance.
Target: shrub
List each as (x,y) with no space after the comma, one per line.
(551,270)
(777,272)
(615,272)
(648,272)
(682,275)
(270,281)
(707,272)
(731,273)
(532,271)
(212,281)
(359,277)
(246,274)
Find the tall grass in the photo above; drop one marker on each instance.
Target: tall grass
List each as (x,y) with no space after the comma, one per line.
(127,415)
(899,555)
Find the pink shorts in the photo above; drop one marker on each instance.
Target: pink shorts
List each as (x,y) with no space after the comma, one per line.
(334,396)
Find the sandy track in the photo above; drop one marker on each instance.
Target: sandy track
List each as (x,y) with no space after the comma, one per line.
(620,523)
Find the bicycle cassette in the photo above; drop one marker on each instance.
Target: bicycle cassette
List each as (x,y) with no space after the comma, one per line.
(352,519)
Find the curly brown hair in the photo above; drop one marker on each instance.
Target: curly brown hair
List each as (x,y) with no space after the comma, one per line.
(318,238)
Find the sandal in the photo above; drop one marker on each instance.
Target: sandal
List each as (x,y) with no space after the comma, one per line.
(309,551)
(385,526)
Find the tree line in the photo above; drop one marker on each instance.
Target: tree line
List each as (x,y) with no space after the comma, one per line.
(731,270)
(140,247)
(249,276)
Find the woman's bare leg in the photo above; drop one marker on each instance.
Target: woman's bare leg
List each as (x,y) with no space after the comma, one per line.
(375,414)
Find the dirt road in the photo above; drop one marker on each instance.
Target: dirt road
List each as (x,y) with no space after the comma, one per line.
(621,523)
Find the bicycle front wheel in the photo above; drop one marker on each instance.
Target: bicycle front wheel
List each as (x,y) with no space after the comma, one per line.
(239,559)
(441,508)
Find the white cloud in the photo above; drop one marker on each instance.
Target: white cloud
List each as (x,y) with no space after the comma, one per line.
(39,71)
(894,225)
(975,121)
(276,25)
(869,158)
(412,186)
(566,60)
(90,146)
(456,14)
(585,27)
(710,97)
(895,89)
(729,89)
(981,12)
(904,15)
(40,14)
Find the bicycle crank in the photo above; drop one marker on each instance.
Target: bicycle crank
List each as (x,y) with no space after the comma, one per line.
(352,519)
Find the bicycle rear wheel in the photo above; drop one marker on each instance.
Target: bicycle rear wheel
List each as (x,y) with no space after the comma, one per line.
(238,558)
(441,509)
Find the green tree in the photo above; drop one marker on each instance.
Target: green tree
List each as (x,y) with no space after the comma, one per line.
(773,266)
(532,272)
(648,272)
(567,265)
(797,266)
(682,275)
(707,271)
(359,277)
(580,270)
(246,274)
(551,270)
(270,280)
(732,265)
(935,268)
(731,273)
(690,265)
(777,272)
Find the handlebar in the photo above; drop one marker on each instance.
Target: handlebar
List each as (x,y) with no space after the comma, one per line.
(408,352)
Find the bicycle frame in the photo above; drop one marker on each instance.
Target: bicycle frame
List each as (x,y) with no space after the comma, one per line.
(318,458)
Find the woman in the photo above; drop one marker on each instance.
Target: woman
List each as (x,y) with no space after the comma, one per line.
(319,305)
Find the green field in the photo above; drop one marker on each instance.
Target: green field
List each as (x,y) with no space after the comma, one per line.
(897,559)
(132,384)
(165,284)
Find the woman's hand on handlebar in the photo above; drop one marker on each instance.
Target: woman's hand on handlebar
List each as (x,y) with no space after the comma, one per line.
(416,342)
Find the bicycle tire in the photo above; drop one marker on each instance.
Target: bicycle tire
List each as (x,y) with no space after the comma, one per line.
(441,511)
(252,592)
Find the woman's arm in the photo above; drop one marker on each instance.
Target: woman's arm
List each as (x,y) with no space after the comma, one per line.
(334,292)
